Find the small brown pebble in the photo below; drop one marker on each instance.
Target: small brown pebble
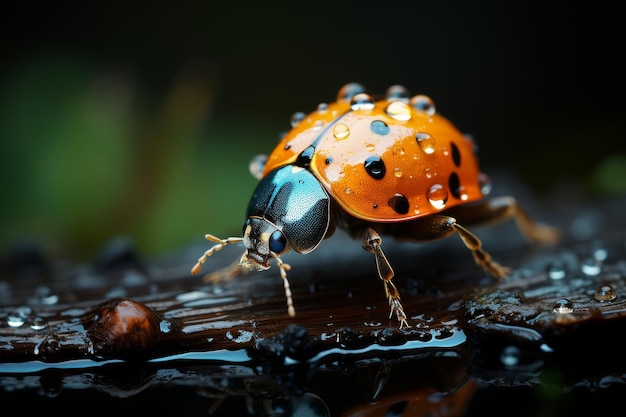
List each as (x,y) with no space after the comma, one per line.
(122,328)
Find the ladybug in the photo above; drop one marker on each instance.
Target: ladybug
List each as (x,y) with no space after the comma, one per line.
(373,166)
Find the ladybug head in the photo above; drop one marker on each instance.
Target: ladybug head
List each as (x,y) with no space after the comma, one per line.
(289,209)
(262,240)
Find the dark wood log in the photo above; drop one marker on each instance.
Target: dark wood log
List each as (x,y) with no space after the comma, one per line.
(133,327)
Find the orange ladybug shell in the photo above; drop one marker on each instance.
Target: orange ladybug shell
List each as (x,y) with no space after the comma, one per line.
(385,161)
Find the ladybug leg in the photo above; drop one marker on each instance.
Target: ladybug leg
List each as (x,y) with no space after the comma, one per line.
(481,257)
(502,208)
(283,267)
(225,274)
(440,226)
(371,241)
(220,243)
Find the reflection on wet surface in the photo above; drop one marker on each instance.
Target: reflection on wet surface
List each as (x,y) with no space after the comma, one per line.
(124,330)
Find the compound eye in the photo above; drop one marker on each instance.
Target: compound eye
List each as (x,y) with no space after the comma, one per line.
(277,242)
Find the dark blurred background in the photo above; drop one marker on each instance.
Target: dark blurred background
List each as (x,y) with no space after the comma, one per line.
(140,120)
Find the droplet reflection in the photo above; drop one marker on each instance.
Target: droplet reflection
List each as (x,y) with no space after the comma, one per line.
(398,110)
(437,196)
(510,356)
(362,101)
(426,142)
(423,103)
(296,118)
(38,323)
(604,293)
(341,131)
(18,317)
(563,306)
(556,270)
(590,267)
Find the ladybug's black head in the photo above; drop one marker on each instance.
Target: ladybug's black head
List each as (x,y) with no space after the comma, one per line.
(290,209)
(261,238)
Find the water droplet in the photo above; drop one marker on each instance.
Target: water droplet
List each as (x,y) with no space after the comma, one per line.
(563,306)
(397,172)
(133,278)
(585,226)
(416,209)
(375,167)
(116,292)
(45,296)
(37,346)
(90,347)
(362,101)
(510,356)
(484,183)
(257,165)
(370,147)
(341,131)
(397,92)
(469,138)
(379,127)
(398,110)
(438,196)
(463,193)
(372,323)
(318,125)
(322,108)
(423,103)
(38,323)
(241,336)
(590,267)
(347,190)
(556,270)
(428,173)
(18,317)
(296,118)
(604,293)
(165,326)
(426,142)
(350,90)
(600,254)
(455,306)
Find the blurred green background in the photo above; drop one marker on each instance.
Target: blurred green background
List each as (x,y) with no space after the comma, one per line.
(140,120)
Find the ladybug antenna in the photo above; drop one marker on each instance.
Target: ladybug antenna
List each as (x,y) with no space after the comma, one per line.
(220,244)
(283,267)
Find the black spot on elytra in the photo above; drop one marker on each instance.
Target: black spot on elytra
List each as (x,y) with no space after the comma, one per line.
(456,154)
(399,203)
(455,185)
(375,167)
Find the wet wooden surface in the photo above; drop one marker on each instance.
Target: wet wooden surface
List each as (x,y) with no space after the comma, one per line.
(131,328)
